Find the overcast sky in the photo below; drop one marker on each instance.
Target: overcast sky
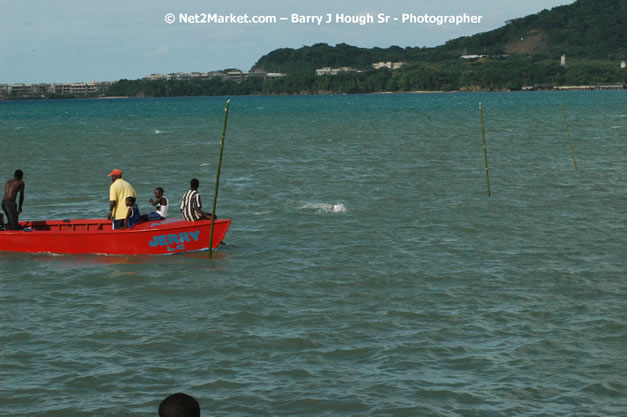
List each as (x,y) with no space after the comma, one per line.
(106,40)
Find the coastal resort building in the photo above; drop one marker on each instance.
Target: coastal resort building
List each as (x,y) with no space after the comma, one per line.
(334,71)
(389,65)
(234,75)
(22,90)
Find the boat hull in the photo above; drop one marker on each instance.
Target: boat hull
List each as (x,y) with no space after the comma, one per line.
(95,236)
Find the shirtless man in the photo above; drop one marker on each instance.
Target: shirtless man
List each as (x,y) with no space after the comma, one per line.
(11,209)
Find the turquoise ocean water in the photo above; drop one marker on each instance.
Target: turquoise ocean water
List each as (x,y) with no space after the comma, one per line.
(422,297)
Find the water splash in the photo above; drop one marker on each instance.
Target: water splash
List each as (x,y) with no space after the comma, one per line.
(337,208)
(324,207)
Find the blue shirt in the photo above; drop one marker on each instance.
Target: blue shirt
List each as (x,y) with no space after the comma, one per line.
(134,217)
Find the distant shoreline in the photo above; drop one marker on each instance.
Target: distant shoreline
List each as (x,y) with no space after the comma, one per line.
(554,89)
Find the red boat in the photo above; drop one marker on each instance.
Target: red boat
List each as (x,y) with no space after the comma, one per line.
(95,236)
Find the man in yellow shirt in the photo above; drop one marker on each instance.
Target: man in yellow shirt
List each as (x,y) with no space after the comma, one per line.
(118,191)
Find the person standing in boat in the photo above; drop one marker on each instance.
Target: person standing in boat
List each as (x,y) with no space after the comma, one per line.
(118,192)
(9,205)
(191,205)
(162,207)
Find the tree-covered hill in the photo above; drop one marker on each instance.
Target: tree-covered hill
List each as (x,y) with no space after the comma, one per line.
(589,29)
(585,29)
(309,58)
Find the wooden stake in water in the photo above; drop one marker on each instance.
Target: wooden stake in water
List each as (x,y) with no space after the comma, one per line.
(572,148)
(215,194)
(485,150)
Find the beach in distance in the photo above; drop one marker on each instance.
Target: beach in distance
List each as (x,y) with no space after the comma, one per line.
(366,271)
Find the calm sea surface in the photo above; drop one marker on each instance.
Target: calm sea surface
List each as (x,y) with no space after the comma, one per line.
(423,297)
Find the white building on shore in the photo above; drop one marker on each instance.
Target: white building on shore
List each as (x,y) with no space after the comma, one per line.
(334,71)
(389,65)
(23,90)
(235,75)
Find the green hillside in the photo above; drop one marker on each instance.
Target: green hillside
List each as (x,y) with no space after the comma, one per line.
(585,29)
(308,58)
(589,29)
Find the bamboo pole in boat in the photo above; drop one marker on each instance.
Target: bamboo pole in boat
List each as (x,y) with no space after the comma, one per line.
(485,150)
(572,148)
(215,194)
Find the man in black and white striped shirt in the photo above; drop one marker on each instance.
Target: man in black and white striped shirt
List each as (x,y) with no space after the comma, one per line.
(191,205)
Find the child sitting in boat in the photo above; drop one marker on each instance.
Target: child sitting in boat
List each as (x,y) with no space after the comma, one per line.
(162,207)
(132,216)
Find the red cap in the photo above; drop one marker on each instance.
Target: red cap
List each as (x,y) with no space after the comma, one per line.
(116,172)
